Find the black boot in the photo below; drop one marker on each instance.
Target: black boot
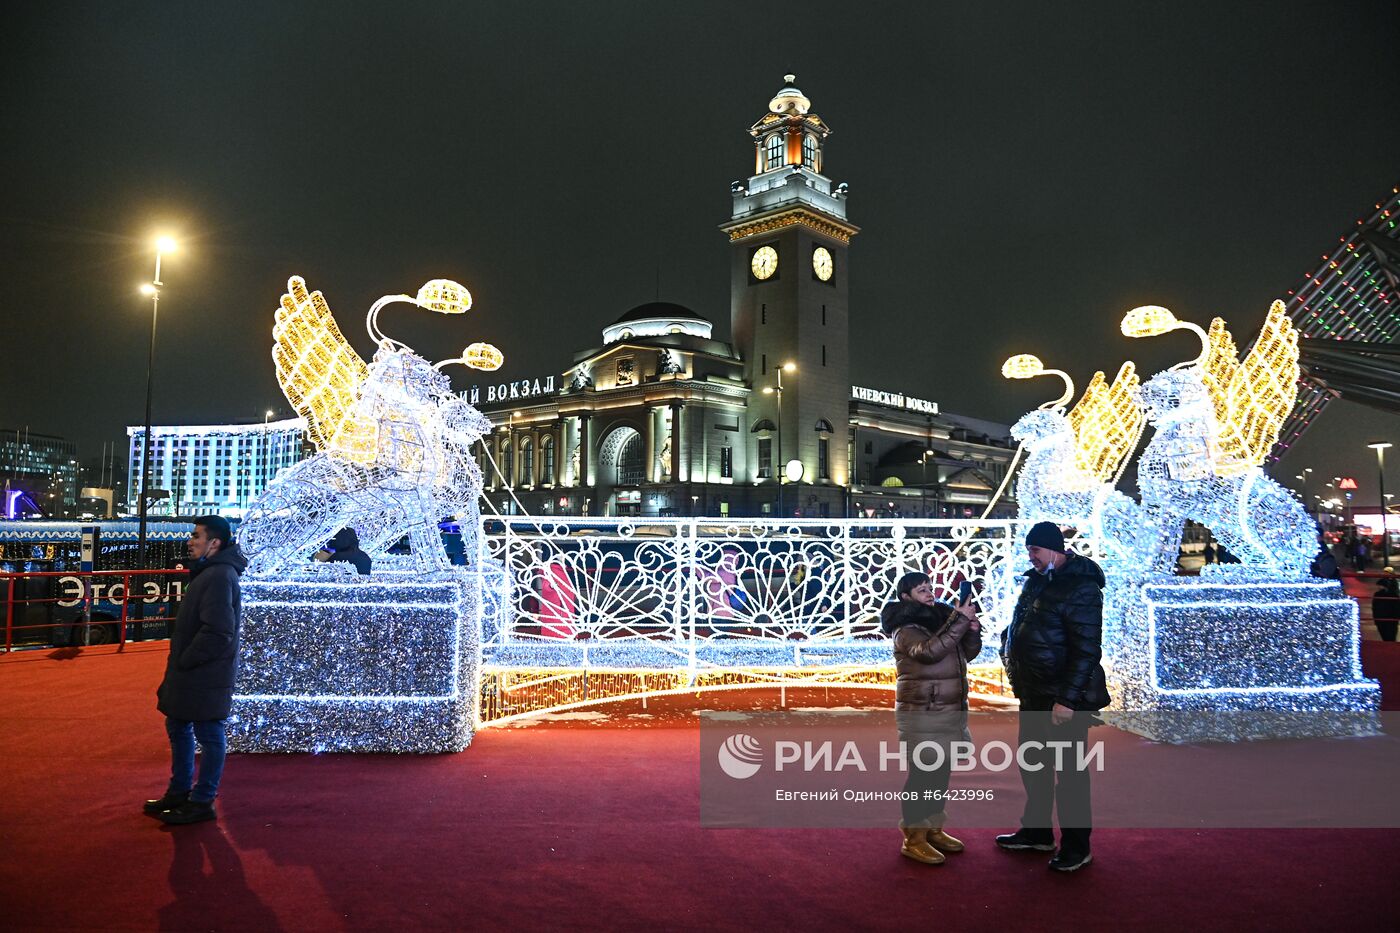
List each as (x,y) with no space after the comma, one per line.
(170,801)
(1037,840)
(191,811)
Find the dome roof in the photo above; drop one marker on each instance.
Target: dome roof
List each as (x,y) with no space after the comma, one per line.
(789,99)
(654,310)
(657,318)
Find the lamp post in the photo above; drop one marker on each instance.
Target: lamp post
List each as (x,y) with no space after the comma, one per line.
(779,470)
(1379,448)
(923,489)
(267,452)
(163,245)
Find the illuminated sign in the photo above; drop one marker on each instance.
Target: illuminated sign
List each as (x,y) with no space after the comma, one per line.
(1346,482)
(509,391)
(894,400)
(71,591)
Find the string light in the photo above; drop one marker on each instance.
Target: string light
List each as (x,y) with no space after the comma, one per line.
(1241,659)
(1261,638)
(1195,469)
(1071,457)
(400,677)
(320,373)
(394,440)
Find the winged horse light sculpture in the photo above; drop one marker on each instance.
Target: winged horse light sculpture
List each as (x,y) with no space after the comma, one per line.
(393,441)
(1217,418)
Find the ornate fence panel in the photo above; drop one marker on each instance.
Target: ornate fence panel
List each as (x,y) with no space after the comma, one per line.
(711,594)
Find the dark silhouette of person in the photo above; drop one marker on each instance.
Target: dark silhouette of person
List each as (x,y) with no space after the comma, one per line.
(1385,606)
(346,548)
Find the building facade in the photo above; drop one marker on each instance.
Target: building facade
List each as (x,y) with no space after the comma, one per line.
(38,474)
(218,468)
(663,419)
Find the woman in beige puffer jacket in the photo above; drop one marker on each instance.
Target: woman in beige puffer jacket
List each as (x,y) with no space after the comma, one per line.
(932,644)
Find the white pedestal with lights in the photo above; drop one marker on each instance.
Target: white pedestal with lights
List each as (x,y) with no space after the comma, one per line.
(384,663)
(1231,657)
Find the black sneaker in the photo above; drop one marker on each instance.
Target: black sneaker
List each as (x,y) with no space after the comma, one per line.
(1023,839)
(168,802)
(191,811)
(1070,861)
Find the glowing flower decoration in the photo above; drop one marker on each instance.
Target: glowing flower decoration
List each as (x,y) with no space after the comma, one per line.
(445,297)
(1022,366)
(483,356)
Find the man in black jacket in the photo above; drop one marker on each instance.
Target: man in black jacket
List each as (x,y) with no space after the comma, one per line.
(197,692)
(1051,651)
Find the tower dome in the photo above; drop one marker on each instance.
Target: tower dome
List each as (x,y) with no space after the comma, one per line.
(790,99)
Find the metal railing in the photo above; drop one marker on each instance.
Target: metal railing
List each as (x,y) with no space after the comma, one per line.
(680,586)
(67,609)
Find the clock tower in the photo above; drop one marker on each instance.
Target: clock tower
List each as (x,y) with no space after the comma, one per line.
(788,310)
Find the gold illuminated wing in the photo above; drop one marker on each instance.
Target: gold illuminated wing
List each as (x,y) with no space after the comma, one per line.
(1260,394)
(1221,362)
(1106,423)
(321,374)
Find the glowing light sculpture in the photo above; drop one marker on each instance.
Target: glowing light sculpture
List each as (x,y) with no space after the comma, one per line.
(1216,420)
(394,442)
(1252,650)
(334,661)
(1073,460)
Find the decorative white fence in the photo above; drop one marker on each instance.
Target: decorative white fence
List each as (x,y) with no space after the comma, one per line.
(711,593)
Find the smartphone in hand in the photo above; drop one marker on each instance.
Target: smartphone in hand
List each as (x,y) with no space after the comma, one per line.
(964,592)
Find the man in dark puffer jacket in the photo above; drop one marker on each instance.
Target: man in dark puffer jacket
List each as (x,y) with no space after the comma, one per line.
(1051,651)
(196,695)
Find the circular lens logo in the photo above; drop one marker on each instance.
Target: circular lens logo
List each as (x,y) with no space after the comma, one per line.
(740,756)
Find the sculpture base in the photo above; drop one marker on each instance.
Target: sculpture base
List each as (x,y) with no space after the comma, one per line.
(384,663)
(1241,659)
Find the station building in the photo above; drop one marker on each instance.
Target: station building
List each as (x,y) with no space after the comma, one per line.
(660,418)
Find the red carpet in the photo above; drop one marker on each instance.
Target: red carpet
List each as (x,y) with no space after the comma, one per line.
(577,825)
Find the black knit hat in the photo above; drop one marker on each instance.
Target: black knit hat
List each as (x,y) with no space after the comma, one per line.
(216,527)
(1047,535)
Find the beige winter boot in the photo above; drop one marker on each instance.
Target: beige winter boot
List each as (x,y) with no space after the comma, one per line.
(917,848)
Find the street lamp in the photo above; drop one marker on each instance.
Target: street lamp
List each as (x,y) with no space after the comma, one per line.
(923,489)
(1379,448)
(152,289)
(267,453)
(769,390)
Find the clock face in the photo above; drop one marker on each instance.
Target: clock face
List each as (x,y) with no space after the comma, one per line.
(821,263)
(765,262)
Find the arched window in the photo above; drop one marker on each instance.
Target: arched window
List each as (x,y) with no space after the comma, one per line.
(762,424)
(629,462)
(508,463)
(823,426)
(775,152)
(527,463)
(547,458)
(809,152)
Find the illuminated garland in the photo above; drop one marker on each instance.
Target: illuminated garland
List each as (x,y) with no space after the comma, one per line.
(395,441)
(1070,459)
(1193,469)
(341,664)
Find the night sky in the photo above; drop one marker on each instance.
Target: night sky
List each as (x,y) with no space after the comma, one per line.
(1023,174)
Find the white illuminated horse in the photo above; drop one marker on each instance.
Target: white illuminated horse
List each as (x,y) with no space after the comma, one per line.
(1074,459)
(394,442)
(1217,418)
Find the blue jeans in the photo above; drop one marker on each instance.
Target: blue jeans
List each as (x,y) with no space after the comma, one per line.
(213,744)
